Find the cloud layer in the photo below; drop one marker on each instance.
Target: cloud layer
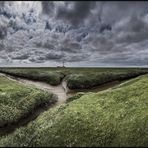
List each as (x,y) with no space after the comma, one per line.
(79,33)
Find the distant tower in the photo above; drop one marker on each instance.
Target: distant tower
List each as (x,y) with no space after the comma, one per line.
(63,64)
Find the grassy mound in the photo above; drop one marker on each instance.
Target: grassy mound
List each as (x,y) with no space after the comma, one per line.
(116,117)
(50,77)
(17,101)
(89,80)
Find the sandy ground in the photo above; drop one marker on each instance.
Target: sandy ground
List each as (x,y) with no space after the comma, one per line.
(59,90)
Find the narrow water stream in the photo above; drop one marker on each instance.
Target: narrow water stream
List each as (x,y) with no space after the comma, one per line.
(60,90)
(101,87)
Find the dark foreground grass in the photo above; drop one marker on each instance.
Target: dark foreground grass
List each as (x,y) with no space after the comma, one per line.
(18,101)
(116,117)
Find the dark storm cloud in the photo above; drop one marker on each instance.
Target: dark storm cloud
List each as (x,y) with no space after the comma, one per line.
(77,14)
(47,7)
(113,12)
(105,27)
(3,11)
(134,30)
(3,32)
(68,46)
(98,33)
(15,25)
(2,4)
(3,24)
(53,56)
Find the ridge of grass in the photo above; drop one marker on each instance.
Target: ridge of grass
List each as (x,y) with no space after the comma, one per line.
(115,117)
(77,78)
(89,80)
(18,101)
(50,77)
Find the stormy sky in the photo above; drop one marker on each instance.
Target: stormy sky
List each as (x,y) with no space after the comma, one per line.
(45,33)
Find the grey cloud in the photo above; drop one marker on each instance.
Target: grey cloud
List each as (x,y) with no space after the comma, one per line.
(3,21)
(47,7)
(135,30)
(98,32)
(53,56)
(77,14)
(3,10)
(69,46)
(3,32)
(105,27)
(78,57)
(80,37)
(21,57)
(136,24)
(29,18)
(2,3)
(36,60)
(47,45)
(115,11)
(16,25)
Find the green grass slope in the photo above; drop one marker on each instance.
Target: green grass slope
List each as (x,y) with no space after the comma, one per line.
(18,101)
(115,117)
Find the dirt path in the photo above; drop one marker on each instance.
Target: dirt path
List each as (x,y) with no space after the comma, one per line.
(59,90)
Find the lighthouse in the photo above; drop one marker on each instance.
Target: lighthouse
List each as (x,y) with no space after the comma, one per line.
(63,64)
